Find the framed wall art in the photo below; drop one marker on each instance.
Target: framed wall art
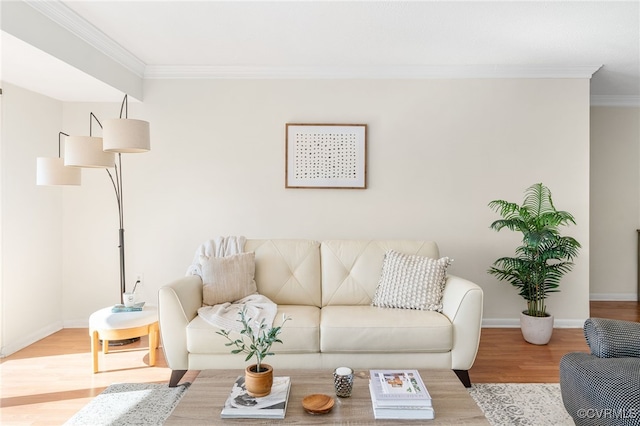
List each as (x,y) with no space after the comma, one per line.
(326,156)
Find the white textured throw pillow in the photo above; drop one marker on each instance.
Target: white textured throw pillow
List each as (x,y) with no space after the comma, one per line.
(228,278)
(411,282)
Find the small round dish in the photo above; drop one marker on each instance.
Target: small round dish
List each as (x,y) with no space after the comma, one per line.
(318,403)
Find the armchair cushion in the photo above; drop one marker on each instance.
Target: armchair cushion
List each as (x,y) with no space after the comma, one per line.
(609,338)
(592,385)
(603,388)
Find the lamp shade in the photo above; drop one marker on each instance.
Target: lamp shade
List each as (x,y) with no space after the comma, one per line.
(86,151)
(126,135)
(52,171)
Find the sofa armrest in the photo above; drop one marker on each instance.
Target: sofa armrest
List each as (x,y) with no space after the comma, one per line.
(462,304)
(178,304)
(608,338)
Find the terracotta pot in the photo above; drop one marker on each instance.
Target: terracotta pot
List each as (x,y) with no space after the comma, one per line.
(536,330)
(258,384)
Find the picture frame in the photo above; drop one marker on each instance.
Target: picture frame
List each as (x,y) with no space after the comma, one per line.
(326,156)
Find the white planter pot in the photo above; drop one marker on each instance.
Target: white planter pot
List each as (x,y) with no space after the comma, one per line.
(536,330)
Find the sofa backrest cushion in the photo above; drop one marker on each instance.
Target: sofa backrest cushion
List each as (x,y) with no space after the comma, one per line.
(287,271)
(351,268)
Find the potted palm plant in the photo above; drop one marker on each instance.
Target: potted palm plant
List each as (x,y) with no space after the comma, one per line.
(542,259)
(255,341)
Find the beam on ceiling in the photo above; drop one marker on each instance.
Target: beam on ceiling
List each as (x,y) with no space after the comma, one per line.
(26,23)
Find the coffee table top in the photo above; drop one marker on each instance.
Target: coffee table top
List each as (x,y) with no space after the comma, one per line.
(205,398)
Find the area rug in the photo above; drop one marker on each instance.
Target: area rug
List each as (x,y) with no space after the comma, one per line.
(504,404)
(130,404)
(521,404)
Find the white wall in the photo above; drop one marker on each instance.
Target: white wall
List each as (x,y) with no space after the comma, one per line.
(615,208)
(438,152)
(31,256)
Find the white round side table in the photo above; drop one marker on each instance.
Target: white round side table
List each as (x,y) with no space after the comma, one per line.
(106,325)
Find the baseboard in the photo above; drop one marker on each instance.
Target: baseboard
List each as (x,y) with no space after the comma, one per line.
(77,323)
(614,297)
(30,339)
(515,323)
(500,323)
(569,323)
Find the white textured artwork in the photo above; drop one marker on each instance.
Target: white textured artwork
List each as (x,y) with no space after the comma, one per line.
(325,156)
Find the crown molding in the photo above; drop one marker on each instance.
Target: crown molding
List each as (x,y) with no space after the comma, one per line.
(59,13)
(615,100)
(369,72)
(56,11)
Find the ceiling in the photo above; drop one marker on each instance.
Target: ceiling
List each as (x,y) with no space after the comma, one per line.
(331,39)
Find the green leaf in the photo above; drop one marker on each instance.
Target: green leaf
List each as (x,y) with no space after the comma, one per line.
(545,256)
(258,343)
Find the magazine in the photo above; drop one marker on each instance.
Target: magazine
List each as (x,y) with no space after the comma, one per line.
(121,308)
(240,404)
(398,388)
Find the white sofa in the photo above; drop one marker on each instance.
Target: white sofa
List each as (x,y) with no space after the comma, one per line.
(327,289)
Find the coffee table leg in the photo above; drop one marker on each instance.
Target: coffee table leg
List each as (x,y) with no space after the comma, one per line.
(94,350)
(153,343)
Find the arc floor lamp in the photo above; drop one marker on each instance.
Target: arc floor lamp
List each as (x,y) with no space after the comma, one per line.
(119,136)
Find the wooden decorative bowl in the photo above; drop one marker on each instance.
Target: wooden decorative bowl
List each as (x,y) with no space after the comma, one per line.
(318,403)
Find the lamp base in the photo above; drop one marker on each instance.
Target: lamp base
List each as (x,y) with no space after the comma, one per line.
(122,342)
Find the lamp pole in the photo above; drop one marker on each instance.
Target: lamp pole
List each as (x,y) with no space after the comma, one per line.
(122,135)
(117,187)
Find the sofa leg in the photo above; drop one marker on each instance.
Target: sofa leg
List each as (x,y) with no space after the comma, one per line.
(463,375)
(176,375)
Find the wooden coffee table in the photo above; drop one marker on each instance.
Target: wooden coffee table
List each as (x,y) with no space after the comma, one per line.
(203,401)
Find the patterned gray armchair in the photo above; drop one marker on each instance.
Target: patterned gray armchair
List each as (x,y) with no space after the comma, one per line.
(603,388)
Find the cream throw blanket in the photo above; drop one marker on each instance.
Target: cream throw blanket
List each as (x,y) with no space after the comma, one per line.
(218,247)
(226,315)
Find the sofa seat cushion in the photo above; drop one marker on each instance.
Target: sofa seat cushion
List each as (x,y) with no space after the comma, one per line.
(299,335)
(373,329)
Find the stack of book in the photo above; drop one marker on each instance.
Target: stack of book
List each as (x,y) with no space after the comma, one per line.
(121,308)
(399,394)
(241,405)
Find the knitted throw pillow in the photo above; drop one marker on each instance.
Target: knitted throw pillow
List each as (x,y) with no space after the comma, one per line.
(228,278)
(411,282)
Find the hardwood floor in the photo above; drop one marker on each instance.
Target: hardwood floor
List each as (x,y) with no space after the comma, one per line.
(49,381)
(504,357)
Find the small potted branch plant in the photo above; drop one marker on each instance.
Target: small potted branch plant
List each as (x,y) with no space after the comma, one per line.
(542,259)
(255,341)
